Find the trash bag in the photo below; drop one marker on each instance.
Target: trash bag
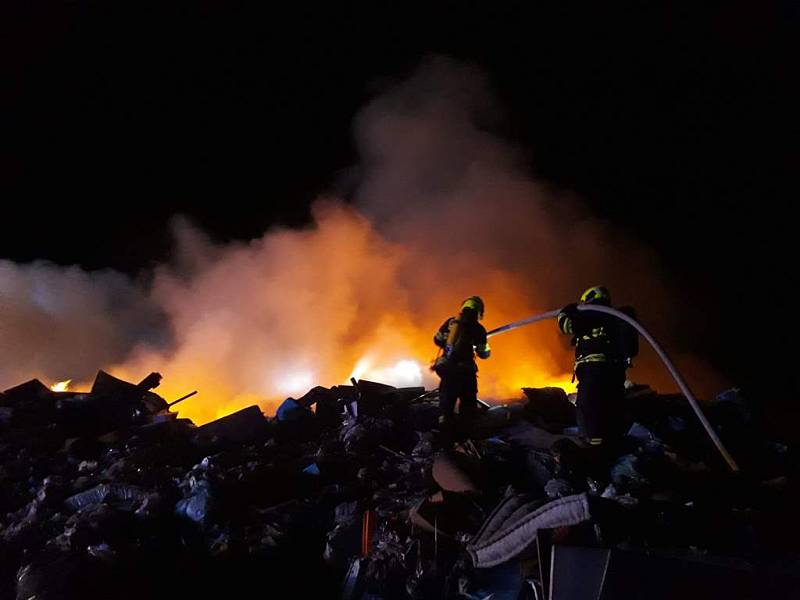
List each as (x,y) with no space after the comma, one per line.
(197,506)
(291,410)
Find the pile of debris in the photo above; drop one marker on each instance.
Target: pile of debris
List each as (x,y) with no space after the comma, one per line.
(351,492)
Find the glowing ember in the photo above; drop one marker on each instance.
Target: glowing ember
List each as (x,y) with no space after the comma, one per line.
(61,386)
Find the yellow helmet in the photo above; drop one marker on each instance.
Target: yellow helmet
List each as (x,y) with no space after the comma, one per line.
(596,295)
(475,303)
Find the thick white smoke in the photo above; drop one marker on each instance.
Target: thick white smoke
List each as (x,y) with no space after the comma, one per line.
(60,323)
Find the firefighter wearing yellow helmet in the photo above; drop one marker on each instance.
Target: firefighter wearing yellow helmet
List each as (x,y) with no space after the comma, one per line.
(460,338)
(604,347)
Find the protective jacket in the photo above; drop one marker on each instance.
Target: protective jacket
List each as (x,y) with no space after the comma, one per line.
(599,337)
(461,339)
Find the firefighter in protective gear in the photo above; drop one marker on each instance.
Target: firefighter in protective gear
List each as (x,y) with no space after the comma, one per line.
(604,347)
(460,338)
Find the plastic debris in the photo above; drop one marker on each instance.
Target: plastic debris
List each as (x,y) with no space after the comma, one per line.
(359,497)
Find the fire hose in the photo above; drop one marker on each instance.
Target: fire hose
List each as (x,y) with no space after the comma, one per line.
(661,354)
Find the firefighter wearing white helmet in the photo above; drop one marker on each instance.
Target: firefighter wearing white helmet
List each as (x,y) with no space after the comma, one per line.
(604,347)
(460,338)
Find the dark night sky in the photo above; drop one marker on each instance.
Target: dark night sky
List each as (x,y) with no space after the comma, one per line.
(673,120)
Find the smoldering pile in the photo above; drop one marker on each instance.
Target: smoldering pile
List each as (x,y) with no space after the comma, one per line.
(348,492)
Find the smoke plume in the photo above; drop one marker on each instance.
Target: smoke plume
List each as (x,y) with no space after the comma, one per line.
(441,209)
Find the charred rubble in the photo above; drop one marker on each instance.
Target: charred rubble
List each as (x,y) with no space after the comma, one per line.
(347,492)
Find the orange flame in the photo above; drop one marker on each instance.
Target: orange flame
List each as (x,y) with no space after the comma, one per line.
(61,386)
(285,313)
(254,322)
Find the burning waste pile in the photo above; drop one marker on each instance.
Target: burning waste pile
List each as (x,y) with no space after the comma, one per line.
(351,492)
